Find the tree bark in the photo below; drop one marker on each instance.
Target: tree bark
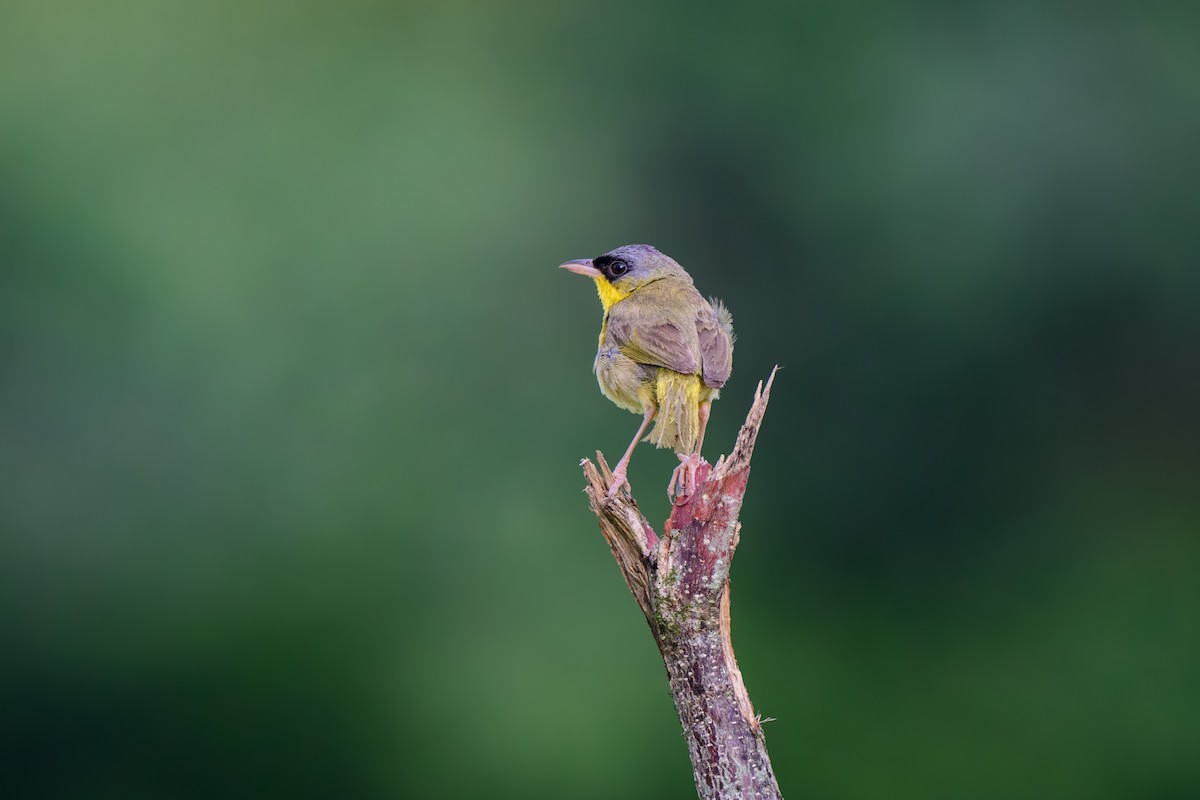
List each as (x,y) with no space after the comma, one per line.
(681,583)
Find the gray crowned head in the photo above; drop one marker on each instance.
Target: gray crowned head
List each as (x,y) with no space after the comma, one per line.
(627,268)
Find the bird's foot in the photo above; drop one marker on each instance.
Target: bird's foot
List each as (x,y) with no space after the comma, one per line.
(683,478)
(618,480)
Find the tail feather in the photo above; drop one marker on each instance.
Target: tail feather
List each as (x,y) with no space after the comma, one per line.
(723,317)
(677,423)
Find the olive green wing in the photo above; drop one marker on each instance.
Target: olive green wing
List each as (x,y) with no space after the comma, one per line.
(714,329)
(656,328)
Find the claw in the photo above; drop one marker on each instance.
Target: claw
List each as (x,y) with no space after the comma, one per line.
(684,478)
(618,480)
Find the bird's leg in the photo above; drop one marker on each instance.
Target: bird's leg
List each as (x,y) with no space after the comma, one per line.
(685,474)
(619,478)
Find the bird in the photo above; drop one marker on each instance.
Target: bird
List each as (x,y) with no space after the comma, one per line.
(664,352)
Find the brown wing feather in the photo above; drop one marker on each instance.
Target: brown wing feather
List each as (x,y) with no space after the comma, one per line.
(654,328)
(714,327)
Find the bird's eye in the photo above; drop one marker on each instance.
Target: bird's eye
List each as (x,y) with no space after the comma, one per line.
(618,268)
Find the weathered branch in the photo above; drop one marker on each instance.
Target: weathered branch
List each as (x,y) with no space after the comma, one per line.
(681,583)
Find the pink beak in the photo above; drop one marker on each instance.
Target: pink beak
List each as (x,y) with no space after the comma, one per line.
(581,266)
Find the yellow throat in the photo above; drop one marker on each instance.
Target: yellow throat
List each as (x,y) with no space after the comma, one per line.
(609,294)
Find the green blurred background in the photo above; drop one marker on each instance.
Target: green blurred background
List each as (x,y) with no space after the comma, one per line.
(293,396)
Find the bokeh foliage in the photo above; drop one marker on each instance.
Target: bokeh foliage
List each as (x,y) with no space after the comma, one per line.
(293,396)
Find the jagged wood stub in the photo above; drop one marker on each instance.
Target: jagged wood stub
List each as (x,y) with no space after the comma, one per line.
(681,583)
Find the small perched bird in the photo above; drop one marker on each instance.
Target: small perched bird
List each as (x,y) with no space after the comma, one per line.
(665,352)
